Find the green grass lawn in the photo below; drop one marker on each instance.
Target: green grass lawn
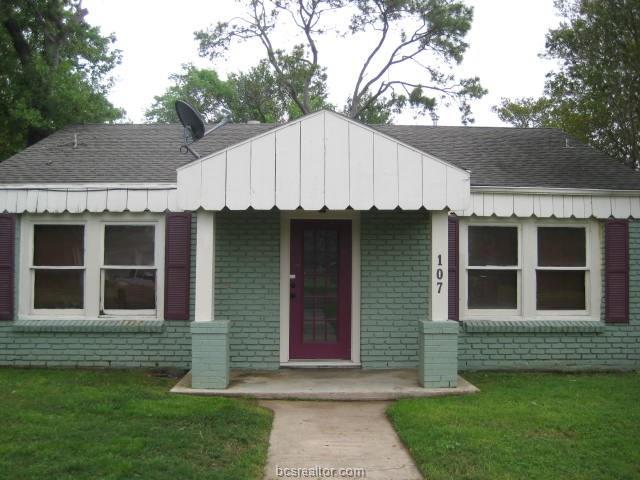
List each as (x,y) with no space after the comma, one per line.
(63,424)
(528,426)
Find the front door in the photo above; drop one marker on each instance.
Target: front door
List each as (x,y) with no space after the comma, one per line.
(320,289)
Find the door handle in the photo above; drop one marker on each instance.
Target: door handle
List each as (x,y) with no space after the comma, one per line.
(292,285)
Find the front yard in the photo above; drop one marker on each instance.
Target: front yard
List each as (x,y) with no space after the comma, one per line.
(528,426)
(75,424)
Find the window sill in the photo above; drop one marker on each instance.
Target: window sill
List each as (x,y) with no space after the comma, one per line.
(89,326)
(533,326)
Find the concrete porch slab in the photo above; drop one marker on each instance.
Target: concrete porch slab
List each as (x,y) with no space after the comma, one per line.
(326,384)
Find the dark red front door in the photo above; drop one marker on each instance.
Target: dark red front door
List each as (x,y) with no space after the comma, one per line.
(320,289)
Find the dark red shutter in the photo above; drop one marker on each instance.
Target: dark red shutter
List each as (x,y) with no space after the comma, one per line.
(453,268)
(177,266)
(616,259)
(7,265)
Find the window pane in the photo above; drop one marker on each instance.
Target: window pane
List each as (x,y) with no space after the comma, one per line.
(561,247)
(493,246)
(129,245)
(58,245)
(497,289)
(560,290)
(130,289)
(320,285)
(58,289)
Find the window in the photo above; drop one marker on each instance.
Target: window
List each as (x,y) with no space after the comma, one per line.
(560,274)
(493,267)
(92,266)
(529,269)
(58,267)
(127,286)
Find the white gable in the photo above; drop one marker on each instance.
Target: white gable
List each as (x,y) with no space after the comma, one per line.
(322,159)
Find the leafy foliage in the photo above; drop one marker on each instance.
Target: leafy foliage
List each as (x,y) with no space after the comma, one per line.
(54,70)
(427,35)
(525,112)
(201,88)
(595,96)
(244,96)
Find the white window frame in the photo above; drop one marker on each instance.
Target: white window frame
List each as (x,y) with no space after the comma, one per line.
(157,261)
(528,266)
(94,226)
(464,257)
(33,268)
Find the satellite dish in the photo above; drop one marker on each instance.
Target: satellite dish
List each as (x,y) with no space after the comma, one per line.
(193,126)
(190,119)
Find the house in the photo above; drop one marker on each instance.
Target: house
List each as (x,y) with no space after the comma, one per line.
(321,242)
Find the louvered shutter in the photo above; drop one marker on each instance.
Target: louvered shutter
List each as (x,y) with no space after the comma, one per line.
(453,268)
(177,266)
(7,265)
(616,271)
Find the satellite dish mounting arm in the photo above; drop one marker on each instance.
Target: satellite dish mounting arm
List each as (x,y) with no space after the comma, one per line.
(193,126)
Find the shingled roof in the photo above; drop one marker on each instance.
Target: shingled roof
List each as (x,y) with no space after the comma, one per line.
(119,153)
(500,157)
(519,157)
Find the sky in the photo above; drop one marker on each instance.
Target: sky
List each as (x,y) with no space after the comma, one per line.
(156,38)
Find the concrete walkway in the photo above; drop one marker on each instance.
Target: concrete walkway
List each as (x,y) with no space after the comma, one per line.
(338,435)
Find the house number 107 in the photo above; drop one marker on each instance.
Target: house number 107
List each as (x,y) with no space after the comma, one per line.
(439,274)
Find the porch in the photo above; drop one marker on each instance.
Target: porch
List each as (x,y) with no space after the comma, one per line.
(312,245)
(325,384)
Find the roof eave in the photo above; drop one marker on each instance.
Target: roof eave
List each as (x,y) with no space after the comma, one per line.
(554,190)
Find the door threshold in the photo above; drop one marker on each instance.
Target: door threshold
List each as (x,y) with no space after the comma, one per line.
(320,364)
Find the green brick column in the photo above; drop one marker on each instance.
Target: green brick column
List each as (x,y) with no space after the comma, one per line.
(210,354)
(438,354)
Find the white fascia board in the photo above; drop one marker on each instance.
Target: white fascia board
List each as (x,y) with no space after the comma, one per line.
(554,191)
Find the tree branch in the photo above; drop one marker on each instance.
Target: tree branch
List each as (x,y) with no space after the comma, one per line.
(20,44)
(271,55)
(355,100)
(392,60)
(307,26)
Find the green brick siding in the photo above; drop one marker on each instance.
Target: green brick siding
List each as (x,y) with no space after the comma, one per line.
(247,291)
(615,347)
(169,348)
(395,256)
(395,251)
(91,347)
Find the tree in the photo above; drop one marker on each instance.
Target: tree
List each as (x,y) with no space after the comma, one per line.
(423,34)
(524,112)
(595,95)
(54,70)
(200,87)
(244,96)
